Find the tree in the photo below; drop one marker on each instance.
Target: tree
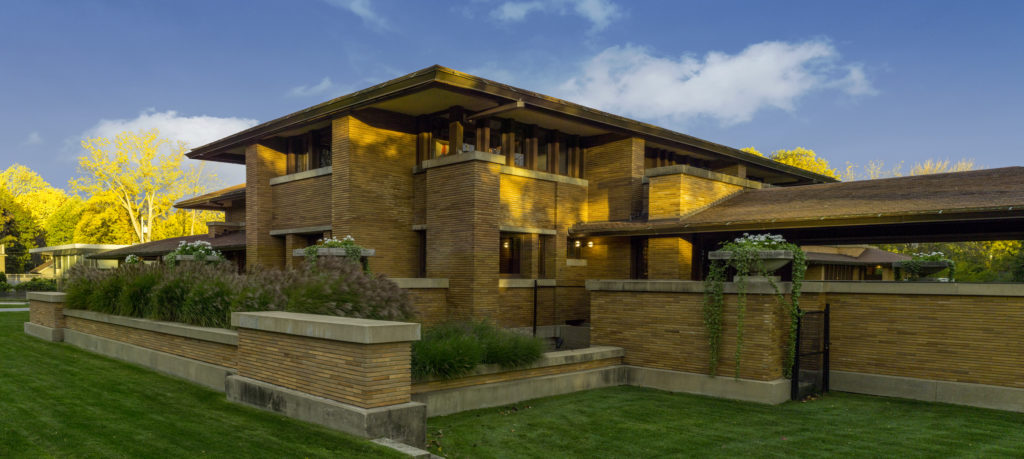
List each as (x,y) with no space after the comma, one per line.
(752,151)
(60,226)
(805,159)
(140,173)
(102,221)
(18,233)
(32,192)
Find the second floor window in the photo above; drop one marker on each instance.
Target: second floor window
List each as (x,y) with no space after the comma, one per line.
(307,151)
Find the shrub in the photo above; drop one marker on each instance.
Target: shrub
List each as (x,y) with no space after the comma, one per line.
(453,349)
(37,285)
(139,282)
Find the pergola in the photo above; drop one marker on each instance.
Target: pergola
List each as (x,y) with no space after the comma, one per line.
(960,206)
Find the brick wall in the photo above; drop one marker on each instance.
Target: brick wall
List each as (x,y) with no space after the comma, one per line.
(463,235)
(429,304)
(513,375)
(679,194)
(206,351)
(609,258)
(46,314)
(515,307)
(962,338)
(261,164)
(527,202)
(615,173)
(301,203)
(365,375)
(236,213)
(666,330)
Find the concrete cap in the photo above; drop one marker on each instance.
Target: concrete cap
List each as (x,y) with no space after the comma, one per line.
(47,297)
(347,329)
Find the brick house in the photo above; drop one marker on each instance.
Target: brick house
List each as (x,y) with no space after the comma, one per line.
(451,176)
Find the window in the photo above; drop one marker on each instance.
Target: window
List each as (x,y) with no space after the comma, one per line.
(307,151)
(574,248)
(421,237)
(638,258)
(510,254)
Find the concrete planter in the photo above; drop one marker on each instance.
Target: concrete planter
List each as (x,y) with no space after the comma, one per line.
(927,267)
(332,252)
(193,258)
(773,259)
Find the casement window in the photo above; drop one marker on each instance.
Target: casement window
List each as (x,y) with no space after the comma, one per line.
(307,151)
(638,258)
(510,254)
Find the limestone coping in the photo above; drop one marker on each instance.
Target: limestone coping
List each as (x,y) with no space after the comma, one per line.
(346,329)
(549,359)
(525,283)
(702,173)
(463,157)
(47,297)
(420,282)
(757,286)
(527,230)
(326,170)
(540,175)
(302,230)
(333,251)
(216,335)
(575,261)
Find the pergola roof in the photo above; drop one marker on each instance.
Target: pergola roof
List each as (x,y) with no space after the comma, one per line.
(989,195)
(228,242)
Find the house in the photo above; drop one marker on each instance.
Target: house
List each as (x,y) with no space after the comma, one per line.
(58,258)
(489,201)
(851,262)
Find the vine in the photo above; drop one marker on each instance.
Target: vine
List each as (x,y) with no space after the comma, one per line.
(745,258)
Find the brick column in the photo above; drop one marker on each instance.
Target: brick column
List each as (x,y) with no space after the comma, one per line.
(261,164)
(615,171)
(46,315)
(349,374)
(669,258)
(463,210)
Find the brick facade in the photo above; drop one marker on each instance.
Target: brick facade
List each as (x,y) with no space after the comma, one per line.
(204,351)
(676,195)
(46,314)
(261,164)
(615,171)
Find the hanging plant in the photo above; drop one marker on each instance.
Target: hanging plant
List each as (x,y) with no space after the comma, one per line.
(748,254)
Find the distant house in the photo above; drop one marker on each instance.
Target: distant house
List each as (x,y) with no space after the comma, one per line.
(57,259)
(851,262)
(226,236)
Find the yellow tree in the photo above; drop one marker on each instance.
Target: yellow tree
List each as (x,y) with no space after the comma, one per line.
(752,151)
(32,192)
(141,173)
(805,159)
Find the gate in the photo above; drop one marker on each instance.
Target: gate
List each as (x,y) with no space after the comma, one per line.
(810,365)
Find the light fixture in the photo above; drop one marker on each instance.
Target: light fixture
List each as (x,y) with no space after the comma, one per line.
(505,244)
(590,244)
(577,244)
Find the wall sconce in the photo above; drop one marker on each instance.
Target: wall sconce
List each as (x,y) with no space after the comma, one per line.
(505,244)
(577,244)
(590,244)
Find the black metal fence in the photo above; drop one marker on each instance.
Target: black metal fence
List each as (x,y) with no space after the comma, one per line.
(810,366)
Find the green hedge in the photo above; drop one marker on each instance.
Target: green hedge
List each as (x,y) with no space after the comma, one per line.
(205,294)
(453,349)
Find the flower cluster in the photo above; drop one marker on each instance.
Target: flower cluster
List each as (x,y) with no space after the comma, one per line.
(199,250)
(934,256)
(132,259)
(759,241)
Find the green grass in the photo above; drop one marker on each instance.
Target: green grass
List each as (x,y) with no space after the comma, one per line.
(638,422)
(59,401)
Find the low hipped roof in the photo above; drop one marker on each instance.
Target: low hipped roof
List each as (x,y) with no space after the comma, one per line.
(436,88)
(226,243)
(212,201)
(869,256)
(924,198)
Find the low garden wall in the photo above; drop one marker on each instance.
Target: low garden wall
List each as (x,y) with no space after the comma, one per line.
(956,343)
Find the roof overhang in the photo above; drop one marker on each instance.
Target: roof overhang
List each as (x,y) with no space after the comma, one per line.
(75,249)
(436,88)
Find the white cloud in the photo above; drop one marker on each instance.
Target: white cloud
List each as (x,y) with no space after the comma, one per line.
(193,130)
(33,139)
(320,88)
(600,13)
(362,9)
(730,88)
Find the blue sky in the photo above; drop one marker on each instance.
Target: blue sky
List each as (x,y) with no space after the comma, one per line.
(855,81)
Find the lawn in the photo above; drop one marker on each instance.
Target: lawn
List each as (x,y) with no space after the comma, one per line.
(638,422)
(60,401)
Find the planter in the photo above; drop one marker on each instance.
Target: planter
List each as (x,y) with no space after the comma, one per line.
(332,252)
(773,259)
(193,258)
(927,268)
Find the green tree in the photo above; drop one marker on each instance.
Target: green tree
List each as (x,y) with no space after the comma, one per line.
(32,192)
(102,221)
